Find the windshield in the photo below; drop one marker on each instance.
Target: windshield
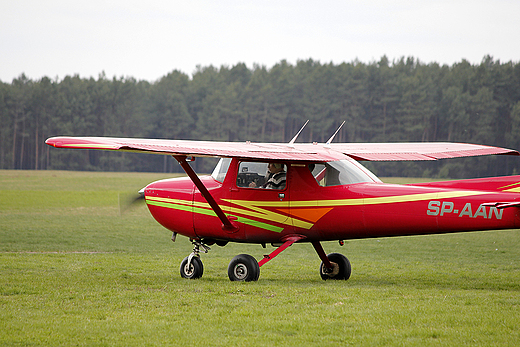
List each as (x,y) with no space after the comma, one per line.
(220,171)
(341,172)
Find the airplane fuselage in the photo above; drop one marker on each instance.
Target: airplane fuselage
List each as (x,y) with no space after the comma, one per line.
(338,212)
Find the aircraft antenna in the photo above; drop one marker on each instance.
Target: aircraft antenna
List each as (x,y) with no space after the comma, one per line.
(327,145)
(291,143)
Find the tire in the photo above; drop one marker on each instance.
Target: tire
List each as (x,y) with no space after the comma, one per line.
(243,267)
(342,269)
(195,270)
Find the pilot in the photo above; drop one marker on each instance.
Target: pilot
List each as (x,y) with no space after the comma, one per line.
(275,179)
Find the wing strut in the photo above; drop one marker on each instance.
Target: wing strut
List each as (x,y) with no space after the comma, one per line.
(227,224)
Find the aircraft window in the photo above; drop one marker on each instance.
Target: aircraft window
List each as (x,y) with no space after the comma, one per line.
(261,175)
(318,171)
(220,171)
(341,172)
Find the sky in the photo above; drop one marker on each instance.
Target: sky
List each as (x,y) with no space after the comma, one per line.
(148,39)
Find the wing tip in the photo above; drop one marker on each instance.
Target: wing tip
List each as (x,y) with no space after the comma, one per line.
(80,143)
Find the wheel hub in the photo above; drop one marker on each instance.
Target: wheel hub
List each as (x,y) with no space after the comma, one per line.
(240,271)
(334,271)
(188,269)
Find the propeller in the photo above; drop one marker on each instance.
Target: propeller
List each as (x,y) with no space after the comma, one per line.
(130,201)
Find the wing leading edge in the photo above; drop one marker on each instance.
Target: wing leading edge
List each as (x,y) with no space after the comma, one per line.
(279,151)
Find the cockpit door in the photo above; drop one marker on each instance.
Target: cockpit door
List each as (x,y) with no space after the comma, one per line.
(260,196)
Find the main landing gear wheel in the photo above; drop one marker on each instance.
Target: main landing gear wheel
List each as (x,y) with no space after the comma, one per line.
(341,268)
(243,267)
(193,270)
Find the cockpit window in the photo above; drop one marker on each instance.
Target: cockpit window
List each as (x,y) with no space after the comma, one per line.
(220,171)
(261,175)
(341,172)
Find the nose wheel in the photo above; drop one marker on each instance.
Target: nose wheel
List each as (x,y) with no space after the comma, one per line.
(191,266)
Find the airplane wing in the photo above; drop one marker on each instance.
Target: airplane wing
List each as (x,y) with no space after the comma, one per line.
(199,148)
(416,150)
(279,151)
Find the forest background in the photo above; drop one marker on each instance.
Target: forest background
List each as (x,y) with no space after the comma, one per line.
(385,101)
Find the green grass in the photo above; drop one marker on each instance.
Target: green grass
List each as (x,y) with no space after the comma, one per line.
(75,272)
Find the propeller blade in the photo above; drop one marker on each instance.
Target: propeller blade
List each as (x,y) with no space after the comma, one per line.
(128,201)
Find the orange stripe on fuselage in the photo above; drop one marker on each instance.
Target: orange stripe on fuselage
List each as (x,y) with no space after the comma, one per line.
(309,214)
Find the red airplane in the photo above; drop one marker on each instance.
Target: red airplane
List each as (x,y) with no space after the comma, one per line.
(279,194)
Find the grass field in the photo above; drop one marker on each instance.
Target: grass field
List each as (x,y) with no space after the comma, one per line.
(73,272)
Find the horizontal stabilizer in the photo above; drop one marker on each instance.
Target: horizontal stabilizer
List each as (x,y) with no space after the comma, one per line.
(501,205)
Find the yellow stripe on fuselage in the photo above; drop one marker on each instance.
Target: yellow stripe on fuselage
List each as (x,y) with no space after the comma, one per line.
(399,198)
(171,201)
(262,209)
(255,209)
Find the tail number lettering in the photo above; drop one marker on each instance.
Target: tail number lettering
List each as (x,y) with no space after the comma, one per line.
(438,208)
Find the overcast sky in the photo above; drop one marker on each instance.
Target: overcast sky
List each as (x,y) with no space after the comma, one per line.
(148,39)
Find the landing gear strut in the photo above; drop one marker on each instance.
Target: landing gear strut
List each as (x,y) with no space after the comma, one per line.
(191,266)
(243,267)
(334,266)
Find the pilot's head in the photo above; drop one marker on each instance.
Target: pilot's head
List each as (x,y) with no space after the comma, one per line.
(275,167)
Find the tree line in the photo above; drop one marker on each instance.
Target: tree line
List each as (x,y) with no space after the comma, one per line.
(384,101)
